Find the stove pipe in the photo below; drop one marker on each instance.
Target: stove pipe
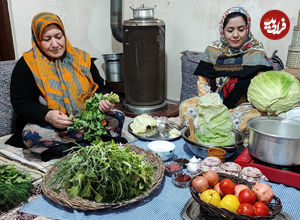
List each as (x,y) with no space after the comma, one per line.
(116,19)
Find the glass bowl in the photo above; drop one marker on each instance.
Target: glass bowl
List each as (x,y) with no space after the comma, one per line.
(172,167)
(181,179)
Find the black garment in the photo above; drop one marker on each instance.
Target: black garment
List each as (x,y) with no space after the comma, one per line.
(244,79)
(207,70)
(25,99)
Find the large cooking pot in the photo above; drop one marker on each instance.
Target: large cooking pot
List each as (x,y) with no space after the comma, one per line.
(274,140)
(201,150)
(143,12)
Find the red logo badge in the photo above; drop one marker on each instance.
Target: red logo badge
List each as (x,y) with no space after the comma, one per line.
(275,24)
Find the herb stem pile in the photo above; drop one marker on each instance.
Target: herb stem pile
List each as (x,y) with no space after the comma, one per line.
(103,172)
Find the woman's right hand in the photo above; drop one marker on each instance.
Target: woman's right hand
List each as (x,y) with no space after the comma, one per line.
(58,119)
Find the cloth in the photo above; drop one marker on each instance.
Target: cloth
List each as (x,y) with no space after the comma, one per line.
(65,83)
(40,138)
(164,203)
(228,70)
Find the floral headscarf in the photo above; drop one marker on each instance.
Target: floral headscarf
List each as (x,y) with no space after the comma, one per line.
(65,83)
(225,59)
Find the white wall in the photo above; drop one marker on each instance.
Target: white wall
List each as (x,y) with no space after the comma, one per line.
(190,25)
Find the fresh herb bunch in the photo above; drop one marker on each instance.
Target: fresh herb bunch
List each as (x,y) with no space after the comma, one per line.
(14,187)
(91,119)
(103,172)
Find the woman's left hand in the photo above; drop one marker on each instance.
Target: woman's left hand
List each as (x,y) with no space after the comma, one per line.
(105,105)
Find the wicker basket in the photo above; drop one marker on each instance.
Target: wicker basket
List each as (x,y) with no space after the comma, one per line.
(212,212)
(83,204)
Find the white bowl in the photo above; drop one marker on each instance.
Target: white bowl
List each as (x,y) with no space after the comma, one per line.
(165,149)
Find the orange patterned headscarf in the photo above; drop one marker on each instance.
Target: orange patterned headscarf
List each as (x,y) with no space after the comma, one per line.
(65,83)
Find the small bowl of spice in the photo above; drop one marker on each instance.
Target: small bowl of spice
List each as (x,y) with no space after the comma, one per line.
(172,168)
(182,159)
(181,179)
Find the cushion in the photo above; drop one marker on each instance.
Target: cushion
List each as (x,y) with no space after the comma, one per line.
(189,63)
(7,116)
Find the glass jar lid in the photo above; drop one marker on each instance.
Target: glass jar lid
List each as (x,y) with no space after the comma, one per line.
(231,166)
(212,161)
(251,171)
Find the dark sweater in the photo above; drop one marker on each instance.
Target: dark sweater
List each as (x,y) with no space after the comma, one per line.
(24,95)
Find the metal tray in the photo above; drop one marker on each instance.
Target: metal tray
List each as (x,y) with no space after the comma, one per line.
(191,211)
(158,135)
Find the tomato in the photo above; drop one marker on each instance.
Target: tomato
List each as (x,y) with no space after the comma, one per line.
(247,196)
(238,188)
(261,209)
(227,186)
(246,209)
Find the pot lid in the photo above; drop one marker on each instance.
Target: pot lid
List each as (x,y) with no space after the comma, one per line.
(143,8)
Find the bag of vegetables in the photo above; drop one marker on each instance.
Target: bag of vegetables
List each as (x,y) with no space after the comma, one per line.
(274,92)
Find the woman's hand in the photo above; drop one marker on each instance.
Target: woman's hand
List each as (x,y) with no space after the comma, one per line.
(105,105)
(57,119)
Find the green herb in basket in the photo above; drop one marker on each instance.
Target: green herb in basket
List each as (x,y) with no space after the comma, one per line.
(91,119)
(103,172)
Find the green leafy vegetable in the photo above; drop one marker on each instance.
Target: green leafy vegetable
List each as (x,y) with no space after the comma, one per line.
(274,92)
(213,124)
(14,187)
(103,172)
(91,118)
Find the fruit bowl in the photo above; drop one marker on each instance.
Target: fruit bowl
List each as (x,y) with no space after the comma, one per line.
(212,212)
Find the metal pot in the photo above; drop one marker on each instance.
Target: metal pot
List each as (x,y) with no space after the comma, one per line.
(201,150)
(143,12)
(113,67)
(274,140)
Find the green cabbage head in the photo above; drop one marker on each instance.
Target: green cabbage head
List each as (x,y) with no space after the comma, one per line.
(274,92)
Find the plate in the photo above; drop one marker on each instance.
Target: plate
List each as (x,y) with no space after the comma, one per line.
(191,211)
(158,134)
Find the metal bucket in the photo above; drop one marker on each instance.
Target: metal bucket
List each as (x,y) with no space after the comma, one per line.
(275,140)
(113,67)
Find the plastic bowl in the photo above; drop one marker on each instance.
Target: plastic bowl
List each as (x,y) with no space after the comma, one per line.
(164,149)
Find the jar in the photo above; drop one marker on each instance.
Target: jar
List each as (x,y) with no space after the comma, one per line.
(252,174)
(210,163)
(217,152)
(230,168)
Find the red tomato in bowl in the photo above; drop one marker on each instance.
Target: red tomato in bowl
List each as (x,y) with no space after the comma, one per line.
(247,196)
(227,186)
(246,209)
(261,209)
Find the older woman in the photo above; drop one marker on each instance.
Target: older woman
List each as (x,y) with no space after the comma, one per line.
(228,64)
(50,82)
